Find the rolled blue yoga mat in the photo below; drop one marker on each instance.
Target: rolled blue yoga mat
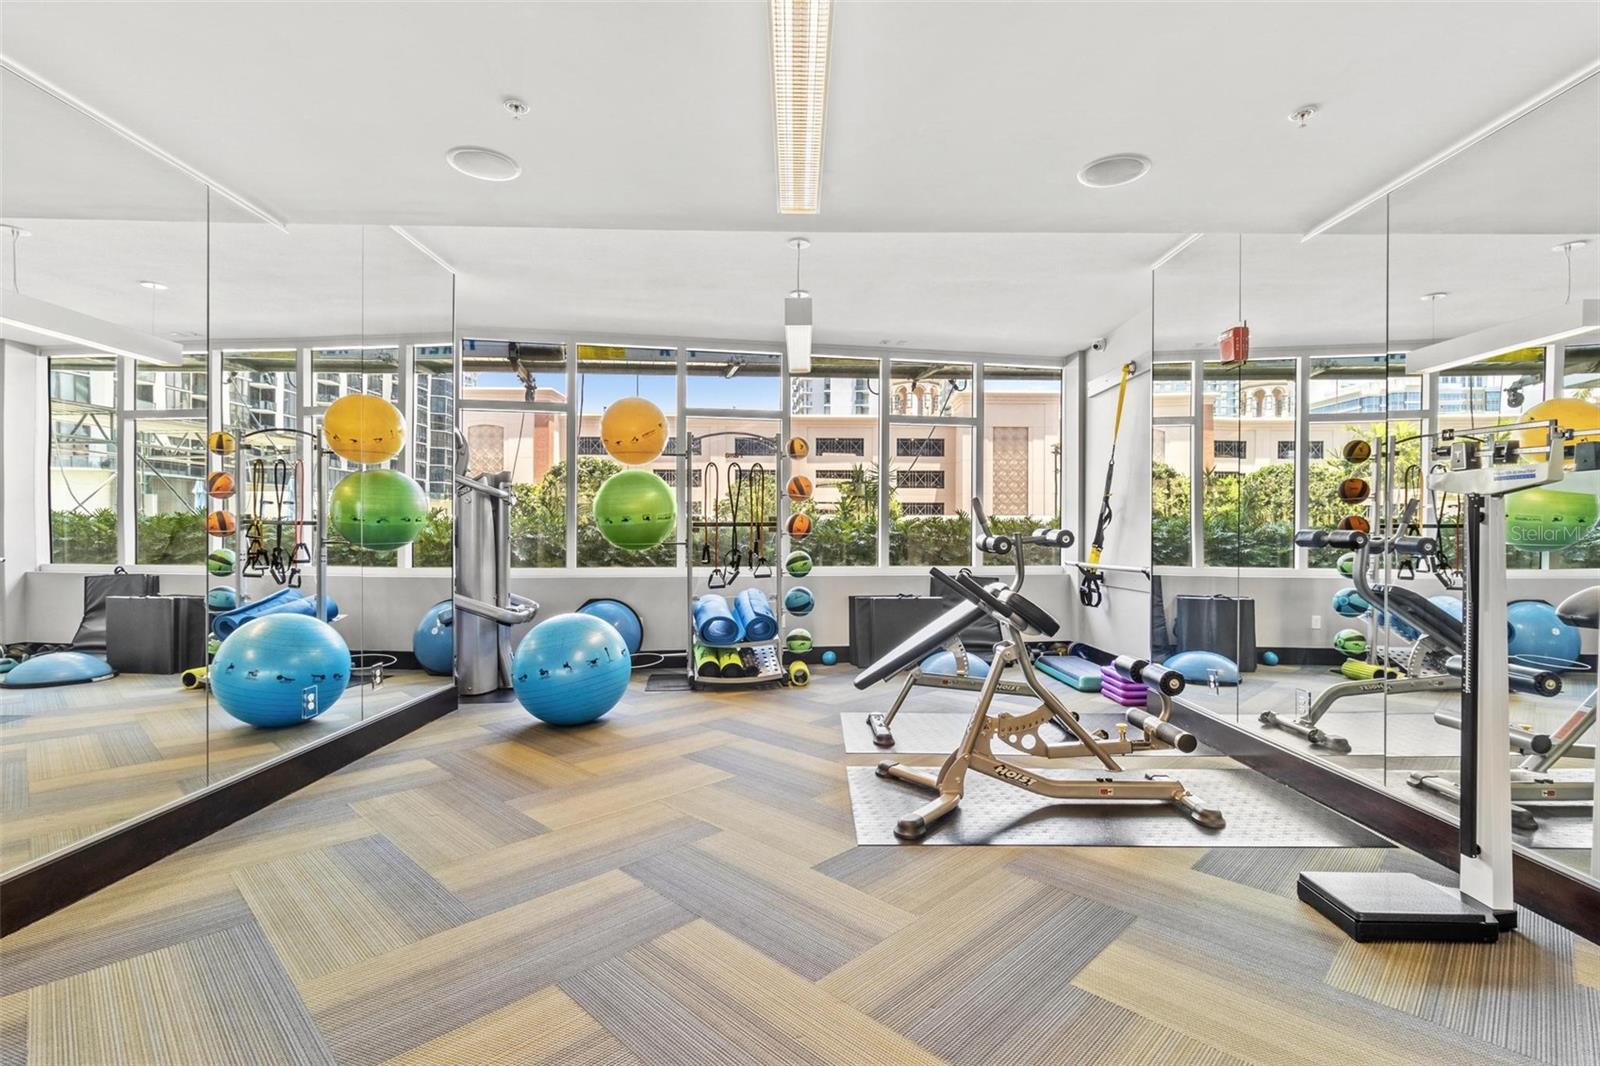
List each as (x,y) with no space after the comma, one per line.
(284,601)
(753,611)
(714,623)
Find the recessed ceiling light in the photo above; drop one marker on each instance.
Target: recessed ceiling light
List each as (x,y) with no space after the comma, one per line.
(156,285)
(485,164)
(1429,297)
(1113,170)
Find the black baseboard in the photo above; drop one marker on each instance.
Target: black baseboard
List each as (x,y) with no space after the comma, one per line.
(1558,894)
(35,891)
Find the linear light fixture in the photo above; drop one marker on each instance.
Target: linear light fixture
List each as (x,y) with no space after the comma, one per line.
(37,323)
(1547,327)
(800,30)
(412,239)
(89,110)
(1172,253)
(1572,81)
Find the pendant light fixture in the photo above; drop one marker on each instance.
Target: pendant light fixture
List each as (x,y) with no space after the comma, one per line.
(797,316)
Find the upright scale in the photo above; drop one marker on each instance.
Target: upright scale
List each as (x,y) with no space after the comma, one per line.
(1403,906)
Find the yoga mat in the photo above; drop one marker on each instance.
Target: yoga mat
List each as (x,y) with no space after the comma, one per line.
(284,601)
(714,623)
(753,611)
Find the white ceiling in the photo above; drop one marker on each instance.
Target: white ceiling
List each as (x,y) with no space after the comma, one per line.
(951,218)
(942,117)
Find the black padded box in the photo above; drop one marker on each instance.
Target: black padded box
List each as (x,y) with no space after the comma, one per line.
(155,634)
(1223,624)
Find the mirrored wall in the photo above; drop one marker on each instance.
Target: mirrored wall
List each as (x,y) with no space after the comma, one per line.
(172,495)
(1288,412)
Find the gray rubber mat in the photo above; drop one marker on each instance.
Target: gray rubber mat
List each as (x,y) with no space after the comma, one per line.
(1260,814)
(918,733)
(1560,825)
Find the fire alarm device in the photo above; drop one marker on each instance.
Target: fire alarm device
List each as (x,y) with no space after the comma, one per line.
(1234,344)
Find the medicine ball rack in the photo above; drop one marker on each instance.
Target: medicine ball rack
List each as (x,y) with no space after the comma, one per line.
(768,653)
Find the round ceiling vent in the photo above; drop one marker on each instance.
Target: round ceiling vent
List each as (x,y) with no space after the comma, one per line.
(485,164)
(1114,170)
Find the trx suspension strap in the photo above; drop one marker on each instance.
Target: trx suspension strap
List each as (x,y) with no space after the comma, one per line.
(1090,584)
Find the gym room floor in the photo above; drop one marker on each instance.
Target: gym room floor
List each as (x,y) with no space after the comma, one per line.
(78,759)
(679,883)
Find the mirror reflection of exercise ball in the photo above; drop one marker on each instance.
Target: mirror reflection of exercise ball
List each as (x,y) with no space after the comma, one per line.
(1549,519)
(633,430)
(1568,412)
(364,429)
(635,510)
(280,669)
(799,527)
(219,485)
(379,510)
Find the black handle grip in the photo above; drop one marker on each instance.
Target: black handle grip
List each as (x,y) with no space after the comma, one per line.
(1330,538)
(1413,546)
(1163,731)
(1153,674)
(1051,538)
(994,544)
(1310,538)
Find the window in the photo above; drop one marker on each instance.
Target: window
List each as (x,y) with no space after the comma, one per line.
(1229,449)
(1363,385)
(1286,449)
(834,408)
(1171,536)
(1022,452)
(433,449)
(262,390)
(182,389)
(83,460)
(170,501)
(528,446)
(930,389)
(741,494)
(607,373)
(930,497)
(732,381)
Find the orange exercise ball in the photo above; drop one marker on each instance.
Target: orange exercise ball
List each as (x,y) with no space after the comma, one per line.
(219,486)
(633,430)
(799,488)
(799,526)
(221,524)
(364,429)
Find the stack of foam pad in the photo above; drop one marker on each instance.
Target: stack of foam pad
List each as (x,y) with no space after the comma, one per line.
(1122,691)
(723,662)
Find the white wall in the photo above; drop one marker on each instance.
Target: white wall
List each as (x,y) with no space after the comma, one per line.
(1122,622)
(22,433)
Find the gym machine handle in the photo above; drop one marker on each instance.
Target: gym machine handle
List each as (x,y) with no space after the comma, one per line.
(1162,730)
(993,544)
(1050,538)
(1330,538)
(1413,546)
(1153,674)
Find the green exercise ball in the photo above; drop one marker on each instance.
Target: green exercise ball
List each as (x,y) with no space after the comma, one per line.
(1347,564)
(1543,520)
(635,510)
(1350,642)
(379,510)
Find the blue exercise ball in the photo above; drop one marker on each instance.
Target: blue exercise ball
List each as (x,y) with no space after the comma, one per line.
(1269,658)
(280,669)
(1198,666)
(829,658)
(57,668)
(1350,604)
(1539,635)
(1451,605)
(434,642)
(799,601)
(1404,629)
(571,669)
(623,619)
(944,662)
(222,598)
